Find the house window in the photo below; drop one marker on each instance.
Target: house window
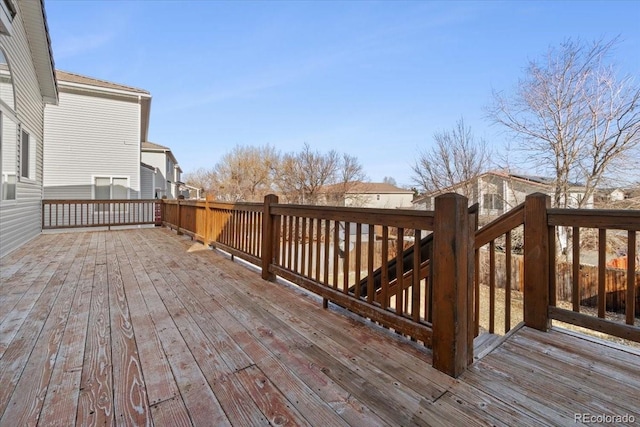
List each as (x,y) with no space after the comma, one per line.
(107,187)
(6,83)
(27,156)
(492,201)
(8,146)
(110,188)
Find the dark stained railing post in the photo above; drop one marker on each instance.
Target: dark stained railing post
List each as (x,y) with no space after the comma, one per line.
(268,237)
(452,284)
(179,218)
(536,261)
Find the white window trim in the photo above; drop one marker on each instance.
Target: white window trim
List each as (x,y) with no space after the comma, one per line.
(33,147)
(7,113)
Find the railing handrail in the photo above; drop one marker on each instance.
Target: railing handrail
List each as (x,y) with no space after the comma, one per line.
(595,218)
(499,226)
(405,218)
(96,201)
(241,206)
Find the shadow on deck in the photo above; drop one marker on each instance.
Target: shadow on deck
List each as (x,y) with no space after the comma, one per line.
(139,327)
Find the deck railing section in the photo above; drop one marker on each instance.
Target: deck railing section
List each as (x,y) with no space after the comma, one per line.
(488,240)
(588,233)
(99,213)
(233,227)
(329,250)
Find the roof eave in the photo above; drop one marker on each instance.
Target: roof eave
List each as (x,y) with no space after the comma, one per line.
(35,22)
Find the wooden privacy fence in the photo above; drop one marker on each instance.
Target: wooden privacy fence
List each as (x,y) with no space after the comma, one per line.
(615,280)
(321,249)
(99,213)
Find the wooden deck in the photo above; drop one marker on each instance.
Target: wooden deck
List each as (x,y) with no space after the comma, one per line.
(142,327)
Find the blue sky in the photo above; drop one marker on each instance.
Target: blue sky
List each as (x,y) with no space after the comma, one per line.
(372,79)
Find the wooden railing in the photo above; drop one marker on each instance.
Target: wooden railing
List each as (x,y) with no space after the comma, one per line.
(501,230)
(99,213)
(579,229)
(233,227)
(545,259)
(331,250)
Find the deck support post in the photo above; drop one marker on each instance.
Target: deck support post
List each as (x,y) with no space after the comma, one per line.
(452,284)
(536,261)
(269,237)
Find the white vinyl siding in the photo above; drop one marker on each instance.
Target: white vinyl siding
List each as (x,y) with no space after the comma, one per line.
(90,135)
(147,183)
(20,219)
(159,161)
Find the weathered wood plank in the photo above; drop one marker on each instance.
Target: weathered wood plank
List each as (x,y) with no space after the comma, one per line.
(95,403)
(279,358)
(131,406)
(61,402)
(22,297)
(203,407)
(228,390)
(28,397)
(275,406)
(14,359)
(158,377)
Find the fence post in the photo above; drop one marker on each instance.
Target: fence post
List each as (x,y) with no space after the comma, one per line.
(536,261)
(268,237)
(179,219)
(452,284)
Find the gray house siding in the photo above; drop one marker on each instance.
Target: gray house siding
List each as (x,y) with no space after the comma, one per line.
(20,219)
(158,160)
(148,179)
(89,136)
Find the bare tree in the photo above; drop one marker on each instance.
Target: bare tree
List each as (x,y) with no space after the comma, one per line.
(245,173)
(349,176)
(390,180)
(574,117)
(201,178)
(301,175)
(457,157)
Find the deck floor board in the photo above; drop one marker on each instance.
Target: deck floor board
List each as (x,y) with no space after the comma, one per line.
(144,327)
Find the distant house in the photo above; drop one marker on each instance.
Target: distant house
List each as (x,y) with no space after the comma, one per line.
(93,139)
(367,194)
(169,179)
(27,83)
(498,192)
(605,196)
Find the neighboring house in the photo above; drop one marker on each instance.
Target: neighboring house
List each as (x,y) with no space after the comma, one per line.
(27,83)
(92,140)
(605,196)
(368,195)
(498,192)
(169,180)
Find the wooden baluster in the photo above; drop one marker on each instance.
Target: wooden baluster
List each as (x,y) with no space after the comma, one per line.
(384,272)
(415,286)
(507,289)
(575,289)
(399,271)
(602,271)
(630,301)
(492,286)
